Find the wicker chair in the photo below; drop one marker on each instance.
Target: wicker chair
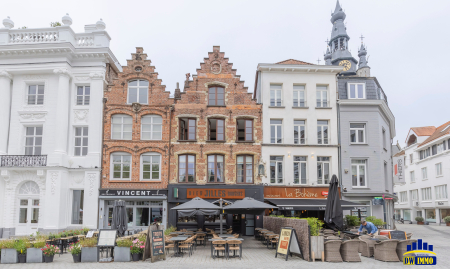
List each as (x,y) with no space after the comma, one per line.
(367,247)
(333,237)
(361,244)
(401,247)
(349,251)
(236,235)
(218,245)
(386,251)
(381,237)
(188,244)
(201,239)
(274,241)
(409,235)
(234,245)
(169,246)
(332,253)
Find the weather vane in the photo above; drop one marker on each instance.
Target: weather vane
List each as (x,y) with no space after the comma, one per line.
(362,37)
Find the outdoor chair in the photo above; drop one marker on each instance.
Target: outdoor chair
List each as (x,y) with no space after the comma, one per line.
(269,240)
(186,245)
(234,245)
(360,243)
(386,251)
(332,253)
(274,242)
(218,245)
(201,239)
(409,235)
(333,237)
(236,235)
(169,246)
(367,247)
(328,231)
(230,232)
(381,237)
(401,247)
(349,251)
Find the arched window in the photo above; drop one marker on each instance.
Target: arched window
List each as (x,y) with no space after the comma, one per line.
(216,96)
(151,166)
(29,188)
(138,91)
(215,169)
(121,127)
(121,166)
(151,127)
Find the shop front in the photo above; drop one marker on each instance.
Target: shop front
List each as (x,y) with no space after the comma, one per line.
(143,207)
(243,224)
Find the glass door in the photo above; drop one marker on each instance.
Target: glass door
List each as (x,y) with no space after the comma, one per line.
(28,216)
(249,224)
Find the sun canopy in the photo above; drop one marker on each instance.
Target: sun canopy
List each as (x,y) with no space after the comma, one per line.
(247,206)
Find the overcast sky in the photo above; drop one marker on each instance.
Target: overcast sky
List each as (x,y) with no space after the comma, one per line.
(407,40)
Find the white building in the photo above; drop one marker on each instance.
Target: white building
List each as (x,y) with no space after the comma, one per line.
(422,172)
(51,87)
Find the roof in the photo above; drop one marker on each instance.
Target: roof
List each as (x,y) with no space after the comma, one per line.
(424,131)
(439,131)
(399,154)
(292,61)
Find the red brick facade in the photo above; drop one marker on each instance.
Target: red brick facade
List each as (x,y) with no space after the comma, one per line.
(215,71)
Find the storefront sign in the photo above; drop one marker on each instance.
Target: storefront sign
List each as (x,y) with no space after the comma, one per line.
(215,193)
(288,243)
(132,193)
(157,242)
(293,192)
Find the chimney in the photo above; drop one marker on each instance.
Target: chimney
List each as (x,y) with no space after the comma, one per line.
(177,91)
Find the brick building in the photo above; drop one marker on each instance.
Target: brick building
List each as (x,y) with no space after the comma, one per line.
(136,144)
(216,141)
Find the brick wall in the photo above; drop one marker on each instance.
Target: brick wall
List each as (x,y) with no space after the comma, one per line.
(301,229)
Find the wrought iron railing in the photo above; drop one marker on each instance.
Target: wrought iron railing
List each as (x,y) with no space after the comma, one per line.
(23,160)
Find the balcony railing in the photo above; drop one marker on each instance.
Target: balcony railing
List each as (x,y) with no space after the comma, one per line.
(23,160)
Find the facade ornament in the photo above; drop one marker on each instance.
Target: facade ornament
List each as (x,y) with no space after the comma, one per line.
(262,168)
(188,75)
(81,115)
(53,178)
(100,25)
(5,74)
(67,20)
(97,75)
(62,72)
(33,116)
(216,67)
(91,177)
(8,23)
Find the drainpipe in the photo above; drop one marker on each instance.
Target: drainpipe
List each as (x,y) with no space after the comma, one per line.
(339,137)
(170,143)
(101,154)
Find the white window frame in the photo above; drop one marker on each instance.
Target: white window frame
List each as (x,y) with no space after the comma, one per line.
(138,89)
(151,166)
(403,196)
(299,163)
(322,132)
(82,144)
(424,172)
(441,192)
(358,165)
(438,167)
(411,157)
(36,95)
(298,126)
(426,194)
(321,181)
(152,124)
(383,133)
(34,136)
(412,176)
(122,132)
(277,94)
(84,101)
(122,154)
(298,90)
(414,195)
(357,96)
(277,170)
(276,125)
(357,129)
(320,94)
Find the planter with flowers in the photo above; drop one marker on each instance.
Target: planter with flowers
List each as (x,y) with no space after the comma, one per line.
(89,251)
(20,245)
(136,249)
(75,250)
(122,250)
(49,252)
(85,230)
(8,252)
(34,253)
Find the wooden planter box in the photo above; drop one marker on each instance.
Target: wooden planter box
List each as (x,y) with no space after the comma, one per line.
(447,223)
(317,248)
(89,254)
(122,254)
(420,223)
(9,255)
(34,255)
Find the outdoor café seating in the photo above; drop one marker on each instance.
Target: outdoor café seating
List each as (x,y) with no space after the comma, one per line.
(401,247)
(386,251)
(218,246)
(409,235)
(361,245)
(187,245)
(367,247)
(201,239)
(234,245)
(349,251)
(332,251)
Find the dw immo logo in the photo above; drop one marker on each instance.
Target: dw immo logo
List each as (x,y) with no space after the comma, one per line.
(419,254)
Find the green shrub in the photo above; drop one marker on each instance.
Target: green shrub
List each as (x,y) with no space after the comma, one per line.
(352,220)
(447,219)
(7,244)
(315,225)
(169,230)
(88,242)
(39,244)
(420,219)
(21,246)
(124,243)
(375,221)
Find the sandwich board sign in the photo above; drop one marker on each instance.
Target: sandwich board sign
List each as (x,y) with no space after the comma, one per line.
(288,243)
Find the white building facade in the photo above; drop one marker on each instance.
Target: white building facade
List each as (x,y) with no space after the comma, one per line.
(422,182)
(51,83)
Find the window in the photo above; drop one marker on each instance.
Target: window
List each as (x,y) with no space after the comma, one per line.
(77,207)
(275,94)
(322,132)
(356,91)
(216,96)
(276,169)
(357,133)
(33,141)
(81,141)
(448,144)
(186,168)
(441,192)
(412,176)
(276,134)
(299,96)
(323,170)
(359,173)
(121,163)
(411,158)
(424,173)
(121,127)
(383,133)
(434,150)
(244,130)
(414,195)
(299,132)
(403,197)
(444,146)
(440,148)
(187,129)
(151,166)
(216,129)
(215,169)
(83,95)
(35,95)
(244,169)
(424,153)
(439,169)
(300,170)
(426,194)
(322,96)
(151,127)
(138,91)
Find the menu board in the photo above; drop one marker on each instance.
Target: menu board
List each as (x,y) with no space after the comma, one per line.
(288,243)
(399,235)
(107,238)
(157,242)
(89,234)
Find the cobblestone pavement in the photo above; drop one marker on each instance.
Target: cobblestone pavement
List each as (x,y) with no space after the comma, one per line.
(256,255)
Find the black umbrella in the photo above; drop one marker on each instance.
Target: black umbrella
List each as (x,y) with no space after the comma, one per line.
(333,210)
(119,217)
(248,206)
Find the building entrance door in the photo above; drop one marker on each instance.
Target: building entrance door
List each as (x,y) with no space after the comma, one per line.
(28,216)
(249,224)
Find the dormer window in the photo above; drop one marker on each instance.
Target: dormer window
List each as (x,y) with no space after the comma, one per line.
(356,91)
(216,96)
(138,91)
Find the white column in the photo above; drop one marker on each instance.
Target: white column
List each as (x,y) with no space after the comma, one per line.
(62,111)
(96,118)
(5,107)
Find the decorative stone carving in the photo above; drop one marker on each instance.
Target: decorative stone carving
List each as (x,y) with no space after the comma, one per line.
(136,107)
(82,78)
(216,67)
(91,178)
(62,72)
(77,178)
(34,77)
(81,115)
(53,178)
(8,23)
(67,20)
(4,74)
(100,25)
(97,75)
(32,116)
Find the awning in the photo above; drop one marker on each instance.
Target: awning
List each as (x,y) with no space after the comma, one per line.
(310,204)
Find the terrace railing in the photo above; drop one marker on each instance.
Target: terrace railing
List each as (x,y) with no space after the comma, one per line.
(23,160)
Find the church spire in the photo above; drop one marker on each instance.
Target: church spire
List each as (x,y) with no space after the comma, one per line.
(327,57)
(362,53)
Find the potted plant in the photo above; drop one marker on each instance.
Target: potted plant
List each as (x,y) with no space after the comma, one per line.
(136,249)
(89,250)
(9,253)
(352,221)
(49,252)
(85,230)
(377,222)
(447,220)
(75,250)
(34,253)
(122,250)
(317,243)
(21,247)
(419,220)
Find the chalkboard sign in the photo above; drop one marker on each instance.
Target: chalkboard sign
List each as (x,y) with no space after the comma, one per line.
(107,238)
(399,235)
(287,243)
(157,242)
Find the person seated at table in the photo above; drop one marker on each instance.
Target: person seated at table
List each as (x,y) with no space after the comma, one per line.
(370,227)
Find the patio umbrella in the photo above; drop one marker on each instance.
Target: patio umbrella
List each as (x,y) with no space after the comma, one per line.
(119,217)
(333,210)
(248,206)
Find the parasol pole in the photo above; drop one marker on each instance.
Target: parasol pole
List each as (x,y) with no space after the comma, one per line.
(221,210)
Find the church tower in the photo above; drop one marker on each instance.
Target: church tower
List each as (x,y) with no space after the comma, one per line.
(340,55)
(364,69)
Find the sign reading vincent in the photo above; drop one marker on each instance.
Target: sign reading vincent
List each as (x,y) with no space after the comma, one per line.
(288,244)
